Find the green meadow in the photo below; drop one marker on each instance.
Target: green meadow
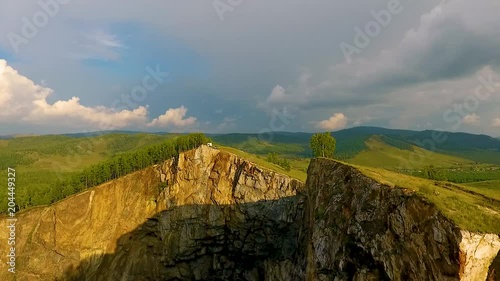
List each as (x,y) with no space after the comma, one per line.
(51,167)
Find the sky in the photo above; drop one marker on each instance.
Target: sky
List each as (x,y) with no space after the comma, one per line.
(222,66)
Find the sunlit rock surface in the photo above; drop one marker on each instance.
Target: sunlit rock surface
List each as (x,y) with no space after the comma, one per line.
(210,215)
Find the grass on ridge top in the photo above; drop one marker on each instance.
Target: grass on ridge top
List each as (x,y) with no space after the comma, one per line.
(488,188)
(293,173)
(380,154)
(469,211)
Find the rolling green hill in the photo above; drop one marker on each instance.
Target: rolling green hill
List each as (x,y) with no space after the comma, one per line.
(298,171)
(489,188)
(456,157)
(293,144)
(479,148)
(350,142)
(472,208)
(383,155)
(43,161)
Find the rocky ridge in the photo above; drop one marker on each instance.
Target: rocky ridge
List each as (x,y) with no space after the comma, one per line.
(210,215)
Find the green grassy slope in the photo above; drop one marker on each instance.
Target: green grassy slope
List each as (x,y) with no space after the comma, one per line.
(488,188)
(378,151)
(292,144)
(380,154)
(255,146)
(480,148)
(472,207)
(471,211)
(43,161)
(297,171)
(459,157)
(350,142)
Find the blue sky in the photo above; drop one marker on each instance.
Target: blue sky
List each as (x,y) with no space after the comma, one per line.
(249,67)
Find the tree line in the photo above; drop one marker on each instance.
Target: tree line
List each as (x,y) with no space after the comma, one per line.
(126,163)
(323,145)
(282,162)
(463,175)
(115,167)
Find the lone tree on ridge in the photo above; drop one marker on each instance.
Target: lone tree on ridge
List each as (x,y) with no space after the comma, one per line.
(323,145)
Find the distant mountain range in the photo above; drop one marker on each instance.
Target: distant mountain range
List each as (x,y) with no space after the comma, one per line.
(350,142)
(481,148)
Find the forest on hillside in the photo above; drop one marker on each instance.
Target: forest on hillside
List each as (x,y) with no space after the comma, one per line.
(109,169)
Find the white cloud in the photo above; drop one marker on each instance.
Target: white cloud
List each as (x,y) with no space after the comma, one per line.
(24,102)
(21,100)
(105,39)
(278,96)
(413,71)
(471,118)
(335,122)
(347,89)
(496,122)
(99,44)
(362,121)
(227,124)
(173,117)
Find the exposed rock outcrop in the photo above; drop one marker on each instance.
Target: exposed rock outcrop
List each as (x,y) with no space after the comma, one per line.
(478,252)
(365,230)
(210,215)
(84,231)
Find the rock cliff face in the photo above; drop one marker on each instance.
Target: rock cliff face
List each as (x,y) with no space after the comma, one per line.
(209,215)
(363,230)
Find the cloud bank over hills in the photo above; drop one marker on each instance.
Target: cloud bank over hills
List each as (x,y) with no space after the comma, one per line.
(24,102)
(414,65)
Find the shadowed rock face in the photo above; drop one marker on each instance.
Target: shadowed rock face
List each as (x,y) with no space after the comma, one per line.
(209,215)
(80,231)
(381,233)
(359,229)
(250,241)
